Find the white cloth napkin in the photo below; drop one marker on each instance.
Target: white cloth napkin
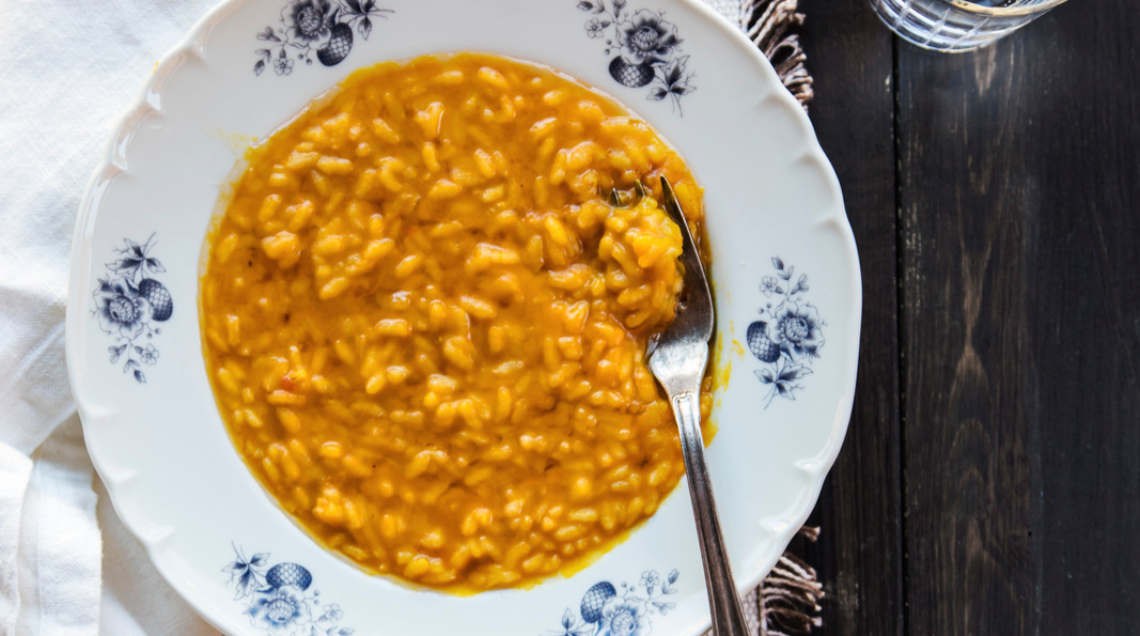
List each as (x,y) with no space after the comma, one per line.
(69,69)
(67,566)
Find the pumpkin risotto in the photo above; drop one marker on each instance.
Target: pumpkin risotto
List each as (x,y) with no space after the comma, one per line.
(425,322)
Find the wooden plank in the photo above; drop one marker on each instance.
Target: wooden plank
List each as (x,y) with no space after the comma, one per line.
(1083,261)
(1018,181)
(859,555)
(967,439)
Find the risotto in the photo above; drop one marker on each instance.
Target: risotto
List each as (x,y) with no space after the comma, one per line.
(425,320)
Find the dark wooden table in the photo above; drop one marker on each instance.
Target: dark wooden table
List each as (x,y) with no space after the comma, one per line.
(990,481)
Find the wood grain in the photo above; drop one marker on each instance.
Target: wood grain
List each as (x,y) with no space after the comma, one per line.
(1083,261)
(859,557)
(1020,332)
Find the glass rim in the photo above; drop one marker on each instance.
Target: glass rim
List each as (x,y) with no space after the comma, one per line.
(1018,10)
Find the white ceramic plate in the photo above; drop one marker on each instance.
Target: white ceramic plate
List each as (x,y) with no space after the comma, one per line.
(785,270)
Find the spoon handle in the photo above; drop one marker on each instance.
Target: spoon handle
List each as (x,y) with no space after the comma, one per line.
(724,603)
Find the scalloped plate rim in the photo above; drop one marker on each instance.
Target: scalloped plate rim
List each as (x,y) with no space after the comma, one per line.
(107,168)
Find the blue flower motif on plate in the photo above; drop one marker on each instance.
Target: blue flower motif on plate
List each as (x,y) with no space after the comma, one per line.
(129,302)
(279,600)
(626,610)
(321,29)
(644,49)
(789,334)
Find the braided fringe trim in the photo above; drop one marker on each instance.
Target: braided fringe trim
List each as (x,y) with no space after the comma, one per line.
(787,601)
(789,596)
(772,25)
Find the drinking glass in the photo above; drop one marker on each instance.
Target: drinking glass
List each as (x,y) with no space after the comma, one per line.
(953,26)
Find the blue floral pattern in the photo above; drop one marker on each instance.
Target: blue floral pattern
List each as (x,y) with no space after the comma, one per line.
(789,334)
(315,28)
(605,611)
(645,49)
(278,600)
(129,302)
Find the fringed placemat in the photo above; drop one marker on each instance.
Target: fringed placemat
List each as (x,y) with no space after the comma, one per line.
(773,25)
(787,601)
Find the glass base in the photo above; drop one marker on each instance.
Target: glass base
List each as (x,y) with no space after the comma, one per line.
(938,25)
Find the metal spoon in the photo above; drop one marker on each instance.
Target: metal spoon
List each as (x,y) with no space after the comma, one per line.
(678,361)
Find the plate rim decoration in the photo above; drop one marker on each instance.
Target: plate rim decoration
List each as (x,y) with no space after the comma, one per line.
(790,339)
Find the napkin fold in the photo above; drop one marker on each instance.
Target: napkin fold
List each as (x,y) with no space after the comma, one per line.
(70,69)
